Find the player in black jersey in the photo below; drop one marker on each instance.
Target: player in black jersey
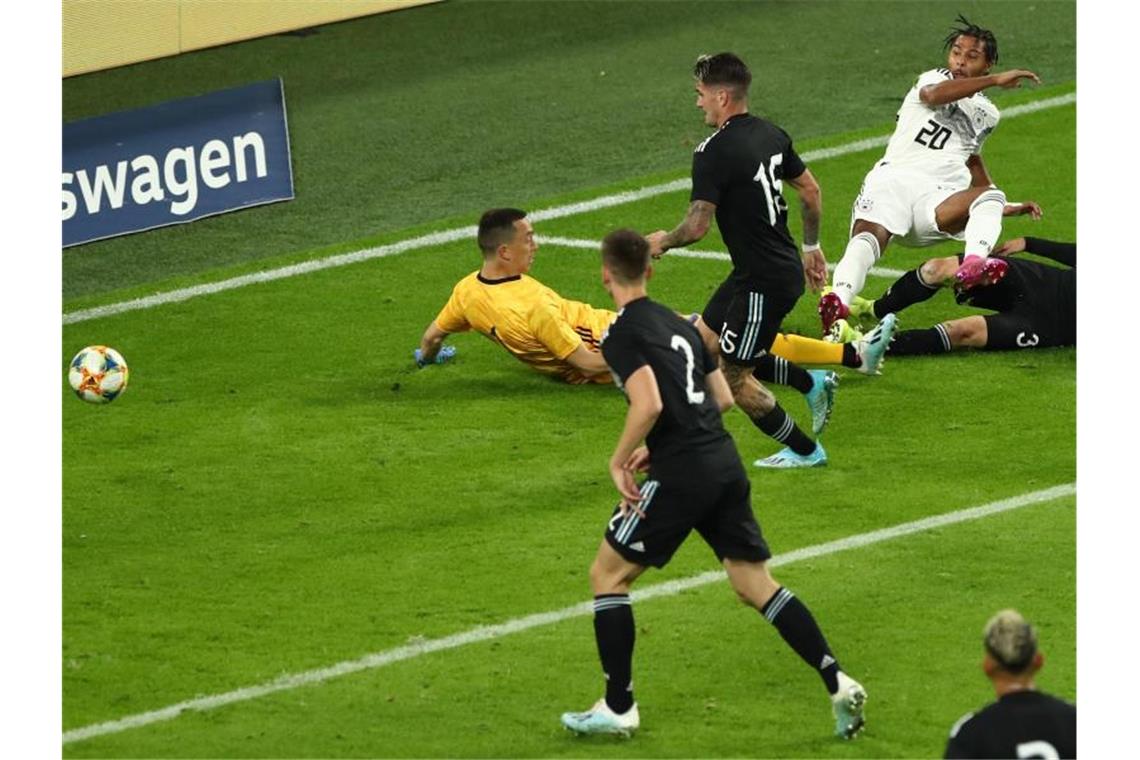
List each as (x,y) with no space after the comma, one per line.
(1023,722)
(1036,304)
(695,480)
(738,175)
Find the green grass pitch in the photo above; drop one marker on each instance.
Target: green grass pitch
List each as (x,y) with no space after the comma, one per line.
(280,490)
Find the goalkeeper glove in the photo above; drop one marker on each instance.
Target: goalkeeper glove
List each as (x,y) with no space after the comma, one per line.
(445,353)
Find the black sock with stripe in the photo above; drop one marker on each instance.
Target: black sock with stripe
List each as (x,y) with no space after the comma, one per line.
(776,369)
(934,340)
(614,631)
(777,424)
(796,625)
(905,291)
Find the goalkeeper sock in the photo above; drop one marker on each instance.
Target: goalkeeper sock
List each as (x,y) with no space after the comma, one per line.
(809,351)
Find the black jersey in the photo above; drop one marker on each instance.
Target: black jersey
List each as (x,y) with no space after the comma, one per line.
(647,333)
(1048,291)
(741,168)
(1020,724)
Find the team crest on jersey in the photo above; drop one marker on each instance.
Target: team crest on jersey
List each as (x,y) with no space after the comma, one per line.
(979,120)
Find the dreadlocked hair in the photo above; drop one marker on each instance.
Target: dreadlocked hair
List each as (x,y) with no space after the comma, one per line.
(968,29)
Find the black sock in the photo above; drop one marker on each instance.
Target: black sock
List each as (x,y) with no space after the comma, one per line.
(906,291)
(776,369)
(850,356)
(933,340)
(777,424)
(614,631)
(796,625)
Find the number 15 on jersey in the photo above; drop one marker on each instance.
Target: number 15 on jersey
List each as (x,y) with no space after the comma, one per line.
(766,176)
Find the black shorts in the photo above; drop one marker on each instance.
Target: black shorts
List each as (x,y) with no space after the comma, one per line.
(746,319)
(720,512)
(1025,327)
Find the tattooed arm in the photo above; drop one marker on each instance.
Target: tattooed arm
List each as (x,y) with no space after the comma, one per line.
(692,228)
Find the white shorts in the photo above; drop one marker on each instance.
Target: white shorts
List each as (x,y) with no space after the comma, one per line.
(904,199)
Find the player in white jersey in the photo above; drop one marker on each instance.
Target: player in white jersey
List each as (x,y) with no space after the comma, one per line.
(931,185)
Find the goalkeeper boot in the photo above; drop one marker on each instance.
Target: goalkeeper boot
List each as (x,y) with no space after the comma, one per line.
(872,347)
(847,705)
(821,397)
(831,308)
(979,272)
(786,458)
(600,719)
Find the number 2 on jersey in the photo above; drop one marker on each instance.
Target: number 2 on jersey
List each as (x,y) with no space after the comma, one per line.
(766,176)
(680,344)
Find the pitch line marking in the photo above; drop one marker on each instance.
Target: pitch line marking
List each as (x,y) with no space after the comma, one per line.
(485,633)
(467,233)
(688,253)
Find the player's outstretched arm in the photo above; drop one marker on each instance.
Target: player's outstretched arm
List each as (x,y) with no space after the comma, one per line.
(942,93)
(811,204)
(692,228)
(432,350)
(645,407)
(588,362)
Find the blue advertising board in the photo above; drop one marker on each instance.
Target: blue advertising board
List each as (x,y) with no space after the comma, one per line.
(175,162)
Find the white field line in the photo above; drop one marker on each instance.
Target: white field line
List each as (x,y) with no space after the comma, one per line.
(688,253)
(484,633)
(465,233)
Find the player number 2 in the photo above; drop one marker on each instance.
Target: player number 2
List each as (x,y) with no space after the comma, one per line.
(1038,749)
(680,344)
(936,135)
(766,176)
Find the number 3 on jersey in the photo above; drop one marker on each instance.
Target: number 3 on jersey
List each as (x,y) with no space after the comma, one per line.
(766,176)
(680,344)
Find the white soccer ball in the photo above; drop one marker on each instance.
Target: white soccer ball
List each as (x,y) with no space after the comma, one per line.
(98,374)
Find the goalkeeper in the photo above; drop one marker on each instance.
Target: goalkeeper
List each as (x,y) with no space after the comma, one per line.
(551,334)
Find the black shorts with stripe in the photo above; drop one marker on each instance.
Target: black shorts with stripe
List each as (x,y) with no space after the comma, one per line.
(746,318)
(679,499)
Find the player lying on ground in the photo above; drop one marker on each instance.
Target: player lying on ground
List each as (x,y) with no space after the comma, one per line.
(738,174)
(551,334)
(696,480)
(1036,304)
(931,184)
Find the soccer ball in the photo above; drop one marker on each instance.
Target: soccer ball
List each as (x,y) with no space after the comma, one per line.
(98,374)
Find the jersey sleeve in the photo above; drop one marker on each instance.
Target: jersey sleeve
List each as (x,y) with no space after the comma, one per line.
(710,174)
(553,331)
(623,354)
(934,76)
(793,166)
(451,318)
(1062,253)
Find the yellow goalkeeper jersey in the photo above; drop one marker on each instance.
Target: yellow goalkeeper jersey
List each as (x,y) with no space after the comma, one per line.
(538,326)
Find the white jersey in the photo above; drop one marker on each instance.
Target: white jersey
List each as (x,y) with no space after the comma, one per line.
(937,140)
